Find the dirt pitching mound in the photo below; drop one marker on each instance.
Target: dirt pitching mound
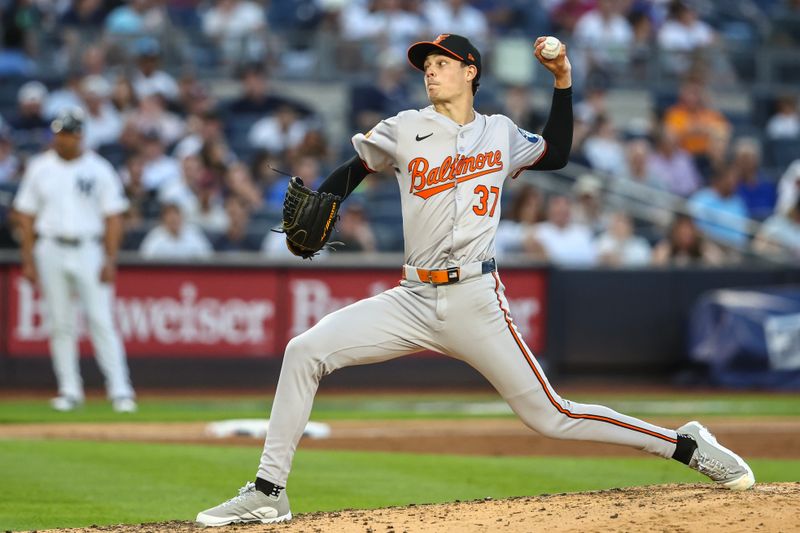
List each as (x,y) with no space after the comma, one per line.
(680,508)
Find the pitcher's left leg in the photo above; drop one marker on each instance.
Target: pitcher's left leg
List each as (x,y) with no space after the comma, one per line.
(489,341)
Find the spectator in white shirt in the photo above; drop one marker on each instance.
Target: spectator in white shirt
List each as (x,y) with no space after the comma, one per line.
(780,234)
(681,35)
(789,188)
(603,37)
(279,132)
(152,114)
(588,208)
(384,21)
(159,168)
(238,28)
(103,124)
(637,181)
(198,195)
(148,79)
(515,232)
(619,247)
(565,243)
(174,239)
(785,123)
(444,15)
(9,162)
(183,192)
(683,31)
(207,128)
(603,148)
(638,167)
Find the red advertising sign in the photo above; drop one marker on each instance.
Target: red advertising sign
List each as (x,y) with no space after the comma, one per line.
(3,309)
(167,311)
(235,312)
(312,294)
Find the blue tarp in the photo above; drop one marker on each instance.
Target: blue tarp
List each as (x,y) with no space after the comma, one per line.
(747,337)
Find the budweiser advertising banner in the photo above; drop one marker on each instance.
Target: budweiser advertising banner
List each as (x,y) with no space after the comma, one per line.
(167,311)
(233,312)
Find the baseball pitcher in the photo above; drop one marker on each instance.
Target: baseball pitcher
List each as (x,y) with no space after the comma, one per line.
(451,163)
(70,204)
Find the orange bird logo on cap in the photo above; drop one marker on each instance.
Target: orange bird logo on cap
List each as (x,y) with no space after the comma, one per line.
(441,38)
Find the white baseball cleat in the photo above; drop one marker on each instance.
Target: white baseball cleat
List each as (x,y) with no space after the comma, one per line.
(716,461)
(124,405)
(65,403)
(251,505)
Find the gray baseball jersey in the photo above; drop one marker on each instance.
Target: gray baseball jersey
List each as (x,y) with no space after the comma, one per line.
(450,179)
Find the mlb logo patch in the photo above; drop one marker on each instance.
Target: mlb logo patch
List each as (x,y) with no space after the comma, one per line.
(531,137)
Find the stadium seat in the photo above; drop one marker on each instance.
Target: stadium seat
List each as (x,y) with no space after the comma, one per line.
(114,152)
(132,239)
(780,153)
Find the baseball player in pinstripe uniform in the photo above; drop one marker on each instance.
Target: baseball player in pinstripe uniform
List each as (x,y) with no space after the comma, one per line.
(70,204)
(451,163)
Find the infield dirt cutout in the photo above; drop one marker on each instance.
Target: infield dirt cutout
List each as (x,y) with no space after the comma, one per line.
(670,508)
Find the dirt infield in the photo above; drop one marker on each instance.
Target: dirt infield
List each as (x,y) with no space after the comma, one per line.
(779,438)
(680,508)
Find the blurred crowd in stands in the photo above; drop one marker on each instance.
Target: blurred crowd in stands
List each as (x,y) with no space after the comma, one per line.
(181,97)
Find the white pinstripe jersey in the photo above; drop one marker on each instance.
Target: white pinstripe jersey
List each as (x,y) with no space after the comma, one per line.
(70,198)
(451,178)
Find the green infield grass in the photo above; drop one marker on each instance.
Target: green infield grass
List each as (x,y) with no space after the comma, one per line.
(47,484)
(401,406)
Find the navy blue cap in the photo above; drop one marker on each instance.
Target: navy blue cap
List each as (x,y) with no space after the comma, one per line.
(449,44)
(69,120)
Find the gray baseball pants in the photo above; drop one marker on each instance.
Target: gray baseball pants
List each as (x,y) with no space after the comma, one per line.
(469,321)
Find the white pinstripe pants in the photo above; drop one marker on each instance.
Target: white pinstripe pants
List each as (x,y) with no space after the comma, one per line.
(64,270)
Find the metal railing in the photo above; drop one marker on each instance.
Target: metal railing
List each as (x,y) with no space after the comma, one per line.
(656,206)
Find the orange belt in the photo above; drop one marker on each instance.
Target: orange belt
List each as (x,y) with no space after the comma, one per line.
(450,275)
(438,277)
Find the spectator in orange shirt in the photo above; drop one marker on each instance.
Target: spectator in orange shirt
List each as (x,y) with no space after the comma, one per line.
(694,122)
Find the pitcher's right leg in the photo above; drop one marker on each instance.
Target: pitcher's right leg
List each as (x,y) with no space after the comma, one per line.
(383,327)
(377,329)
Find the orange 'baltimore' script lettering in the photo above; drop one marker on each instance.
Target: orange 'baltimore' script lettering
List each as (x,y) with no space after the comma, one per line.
(426,181)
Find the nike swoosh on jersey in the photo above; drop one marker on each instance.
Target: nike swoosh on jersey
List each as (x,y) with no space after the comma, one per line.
(423,138)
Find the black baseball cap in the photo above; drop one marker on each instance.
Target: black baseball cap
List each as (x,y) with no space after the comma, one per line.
(69,120)
(450,44)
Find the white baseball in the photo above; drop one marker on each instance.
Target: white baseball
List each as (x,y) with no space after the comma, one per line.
(552,47)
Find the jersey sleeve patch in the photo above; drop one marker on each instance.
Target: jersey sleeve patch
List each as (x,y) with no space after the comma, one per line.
(530,137)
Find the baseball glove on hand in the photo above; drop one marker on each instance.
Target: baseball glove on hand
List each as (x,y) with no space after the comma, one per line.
(308,218)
